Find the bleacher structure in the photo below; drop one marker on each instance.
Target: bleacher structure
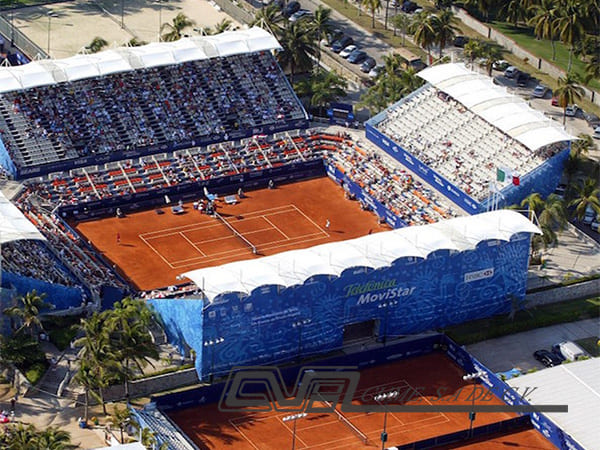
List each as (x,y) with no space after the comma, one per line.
(143,100)
(458,130)
(165,432)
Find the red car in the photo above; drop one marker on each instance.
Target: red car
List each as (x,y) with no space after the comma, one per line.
(555,101)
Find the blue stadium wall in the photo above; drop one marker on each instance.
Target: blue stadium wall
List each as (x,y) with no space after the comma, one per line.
(544,179)
(62,297)
(275,324)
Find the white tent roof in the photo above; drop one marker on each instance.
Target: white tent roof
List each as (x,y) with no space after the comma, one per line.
(40,73)
(505,111)
(14,225)
(376,250)
(576,385)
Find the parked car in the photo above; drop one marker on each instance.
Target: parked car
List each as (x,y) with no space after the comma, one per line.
(548,359)
(596,134)
(375,71)
(341,44)
(409,7)
(511,72)
(595,224)
(568,350)
(523,79)
(460,41)
(500,65)
(348,50)
(357,56)
(299,15)
(560,190)
(368,64)
(540,91)
(291,8)
(592,119)
(554,101)
(332,37)
(417,64)
(590,215)
(572,110)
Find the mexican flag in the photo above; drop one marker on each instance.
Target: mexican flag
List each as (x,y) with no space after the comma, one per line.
(503,174)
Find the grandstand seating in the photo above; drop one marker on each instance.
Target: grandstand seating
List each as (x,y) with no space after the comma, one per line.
(164,430)
(157,107)
(457,143)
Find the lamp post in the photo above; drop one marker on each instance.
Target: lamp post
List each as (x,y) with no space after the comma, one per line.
(380,398)
(160,2)
(122,13)
(212,343)
(473,377)
(300,324)
(293,418)
(12,24)
(50,16)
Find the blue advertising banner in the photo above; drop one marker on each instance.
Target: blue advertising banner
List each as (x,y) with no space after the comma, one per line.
(275,324)
(5,160)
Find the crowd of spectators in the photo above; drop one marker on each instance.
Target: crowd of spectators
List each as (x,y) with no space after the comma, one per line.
(32,259)
(147,107)
(456,143)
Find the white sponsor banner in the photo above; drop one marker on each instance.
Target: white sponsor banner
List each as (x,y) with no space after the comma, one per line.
(479,275)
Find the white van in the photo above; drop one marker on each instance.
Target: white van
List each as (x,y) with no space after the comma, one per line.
(589,216)
(569,350)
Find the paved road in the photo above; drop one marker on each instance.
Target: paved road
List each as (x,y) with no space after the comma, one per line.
(516,350)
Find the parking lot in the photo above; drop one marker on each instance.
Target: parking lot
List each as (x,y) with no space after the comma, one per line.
(516,350)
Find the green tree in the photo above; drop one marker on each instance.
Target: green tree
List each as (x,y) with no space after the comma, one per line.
(121,418)
(173,31)
(271,19)
(568,25)
(322,26)
(96,45)
(444,27)
(490,53)
(592,67)
(543,19)
(223,25)
(322,88)
(27,311)
(586,195)
(373,6)
(514,11)
(135,42)
(473,50)
(423,31)
(401,21)
(299,45)
(483,6)
(53,438)
(568,92)
(130,338)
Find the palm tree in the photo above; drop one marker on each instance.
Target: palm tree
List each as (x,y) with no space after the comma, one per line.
(322,26)
(483,6)
(393,64)
(322,88)
(96,45)
(473,50)
(86,377)
(270,18)
(410,81)
(298,47)
(423,31)
(20,436)
(568,25)
(514,12)
(122,418)
(373,6)
(173,32)
(401,21)
(130,337)
(223,25)
(490,52)
(582,146)
(568,92)
(592,68)
(53,439)
(586,195)
(543,20)
(135,42)
(444,28)
(27,311)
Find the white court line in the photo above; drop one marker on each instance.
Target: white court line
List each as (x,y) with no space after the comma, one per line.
(157,252)
(243,435)
(230,235)
(276,227)
(311,221)
(181,233)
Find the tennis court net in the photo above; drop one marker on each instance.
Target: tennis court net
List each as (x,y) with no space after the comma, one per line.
(362,436)
(236,233)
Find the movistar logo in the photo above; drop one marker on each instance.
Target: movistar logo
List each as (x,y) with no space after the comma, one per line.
(357,288)
(389,291)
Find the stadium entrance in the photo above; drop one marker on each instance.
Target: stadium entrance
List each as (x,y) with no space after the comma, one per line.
(360,331)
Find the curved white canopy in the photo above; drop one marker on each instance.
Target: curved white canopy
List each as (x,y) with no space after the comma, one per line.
(14,225)
(494,104)
(41,73)
(376,251)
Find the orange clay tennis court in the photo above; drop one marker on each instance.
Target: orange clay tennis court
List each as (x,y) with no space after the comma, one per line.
(153,249)
(423,377)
